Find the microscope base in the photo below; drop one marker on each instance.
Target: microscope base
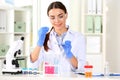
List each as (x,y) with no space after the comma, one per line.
(12,71)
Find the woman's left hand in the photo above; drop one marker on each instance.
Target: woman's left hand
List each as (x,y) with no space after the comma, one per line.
(67,48)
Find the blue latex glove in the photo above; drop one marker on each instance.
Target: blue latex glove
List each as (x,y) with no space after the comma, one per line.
(42,34)
(67,49)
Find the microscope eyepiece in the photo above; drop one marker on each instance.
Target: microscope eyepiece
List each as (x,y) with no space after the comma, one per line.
(22,38)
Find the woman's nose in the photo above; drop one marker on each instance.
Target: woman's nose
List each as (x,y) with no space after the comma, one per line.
(56,20)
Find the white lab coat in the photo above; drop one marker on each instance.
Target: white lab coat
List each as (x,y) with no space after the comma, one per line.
(57,54)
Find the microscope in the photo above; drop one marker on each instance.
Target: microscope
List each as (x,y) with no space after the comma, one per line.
(11,64)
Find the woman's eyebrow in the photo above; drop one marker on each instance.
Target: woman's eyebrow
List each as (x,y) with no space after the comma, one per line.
(60,14)
(51,16)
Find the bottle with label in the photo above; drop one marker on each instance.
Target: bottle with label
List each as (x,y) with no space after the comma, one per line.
(88,70)
(106,69)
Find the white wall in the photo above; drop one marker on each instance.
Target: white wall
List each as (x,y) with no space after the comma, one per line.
(75,15)
(113,37)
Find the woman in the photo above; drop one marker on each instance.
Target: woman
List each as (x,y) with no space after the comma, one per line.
(60,45)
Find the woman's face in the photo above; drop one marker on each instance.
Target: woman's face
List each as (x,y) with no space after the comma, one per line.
(57,18)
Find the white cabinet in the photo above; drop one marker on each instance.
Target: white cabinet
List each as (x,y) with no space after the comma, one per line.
(94,29)
(6,28)
(22,26)
(15,22)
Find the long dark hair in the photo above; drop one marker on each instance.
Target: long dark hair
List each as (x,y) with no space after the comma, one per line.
(53,5)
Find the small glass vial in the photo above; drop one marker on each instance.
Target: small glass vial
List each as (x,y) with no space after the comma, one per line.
(88,71)
(106,69)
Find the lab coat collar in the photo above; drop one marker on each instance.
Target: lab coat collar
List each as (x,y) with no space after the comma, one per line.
(55,34)
(68,35)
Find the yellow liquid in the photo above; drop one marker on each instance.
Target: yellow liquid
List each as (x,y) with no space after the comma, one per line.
(88,74)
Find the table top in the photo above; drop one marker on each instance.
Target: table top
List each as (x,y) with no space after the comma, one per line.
(53,77)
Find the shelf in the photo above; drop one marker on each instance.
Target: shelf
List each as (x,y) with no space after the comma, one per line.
(22,8)
(100,53)
(93,14)
(2,57)
(93,34)
(17,33)
(21,33)
(4,33)
(6,6)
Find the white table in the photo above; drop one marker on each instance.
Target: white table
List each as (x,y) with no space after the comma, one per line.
(52,77)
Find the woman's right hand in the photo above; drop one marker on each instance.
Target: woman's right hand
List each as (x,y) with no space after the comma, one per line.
(42,34)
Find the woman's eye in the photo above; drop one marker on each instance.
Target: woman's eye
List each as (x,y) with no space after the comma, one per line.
(60,16)
(52,18)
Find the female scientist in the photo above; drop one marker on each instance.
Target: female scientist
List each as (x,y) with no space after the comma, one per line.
(60,44)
